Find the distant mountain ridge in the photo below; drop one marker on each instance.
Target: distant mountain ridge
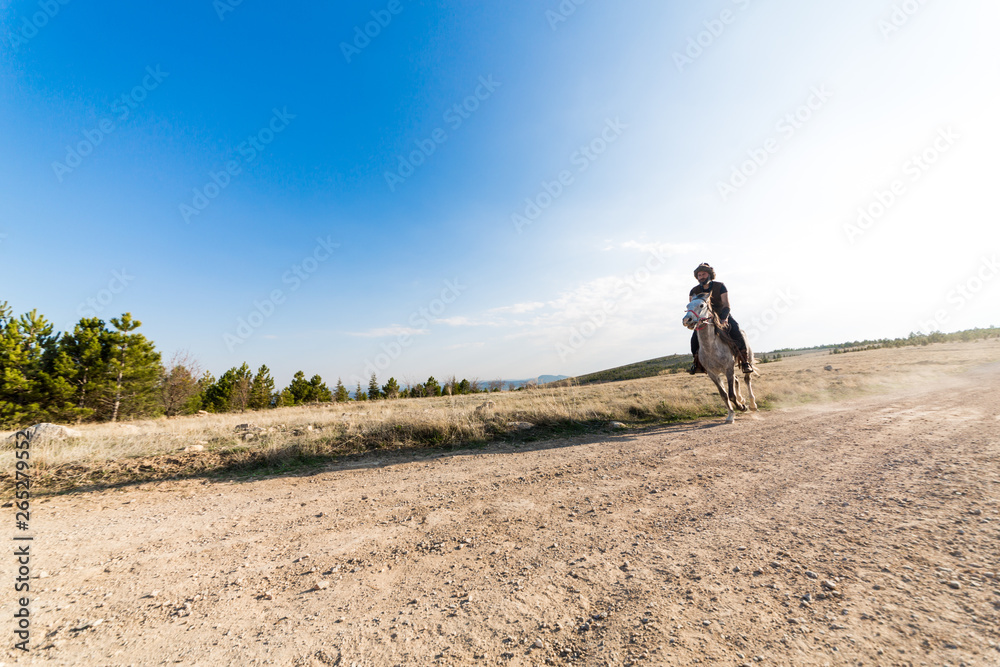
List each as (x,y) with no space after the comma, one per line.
(541,379)
(640,369)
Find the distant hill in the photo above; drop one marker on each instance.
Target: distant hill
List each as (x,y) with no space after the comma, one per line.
(541,379)
(640,369)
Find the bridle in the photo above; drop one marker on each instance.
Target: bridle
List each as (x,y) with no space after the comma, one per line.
(702,321)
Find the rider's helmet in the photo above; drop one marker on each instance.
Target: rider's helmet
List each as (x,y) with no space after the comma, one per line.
(704,266)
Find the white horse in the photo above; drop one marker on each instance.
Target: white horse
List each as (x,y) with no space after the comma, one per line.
(716,357)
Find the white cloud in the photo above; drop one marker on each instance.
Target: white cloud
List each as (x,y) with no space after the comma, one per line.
(393,330)
(463,321)
(642,302)
(519,307)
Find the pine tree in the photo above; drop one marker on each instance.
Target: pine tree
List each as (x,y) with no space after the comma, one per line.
(358,394)
(88,352)
(391,389)
(54,376)
(340,393)
(318,391)
(373,390)
(134,368)
(285,399)
(230,392)
(431,387)
(36,376)
(299,388)
(59,388)
(200,400)
(217,393)
(261,389)
(243,383)
(22,342)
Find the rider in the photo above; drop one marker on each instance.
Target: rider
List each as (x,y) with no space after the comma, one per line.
(705,275)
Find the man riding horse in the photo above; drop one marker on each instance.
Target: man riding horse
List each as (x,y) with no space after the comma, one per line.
(705,275)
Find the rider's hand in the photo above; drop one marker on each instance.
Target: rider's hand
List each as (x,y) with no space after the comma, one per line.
(725,322)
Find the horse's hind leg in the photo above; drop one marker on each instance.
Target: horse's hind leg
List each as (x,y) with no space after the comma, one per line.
(753,399)
(734,392)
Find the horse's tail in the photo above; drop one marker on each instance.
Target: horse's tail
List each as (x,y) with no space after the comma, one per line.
(750,355)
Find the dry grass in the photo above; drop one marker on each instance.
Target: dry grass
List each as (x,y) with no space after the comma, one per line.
(154,449)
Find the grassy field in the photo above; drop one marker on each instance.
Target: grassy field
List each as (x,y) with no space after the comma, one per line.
(282,439)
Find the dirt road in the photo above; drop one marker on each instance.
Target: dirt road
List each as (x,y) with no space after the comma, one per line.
(861,532)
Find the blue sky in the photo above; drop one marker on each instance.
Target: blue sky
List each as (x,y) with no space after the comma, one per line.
(497,191)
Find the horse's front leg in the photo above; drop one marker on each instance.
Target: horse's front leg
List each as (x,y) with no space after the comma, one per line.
(730,416)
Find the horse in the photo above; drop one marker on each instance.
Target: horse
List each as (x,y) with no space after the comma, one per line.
(717,357)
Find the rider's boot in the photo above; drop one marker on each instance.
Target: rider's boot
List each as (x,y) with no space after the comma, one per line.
(696,367)
(745,364)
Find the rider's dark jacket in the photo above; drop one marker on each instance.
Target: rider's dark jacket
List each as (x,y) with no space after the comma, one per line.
(716,288)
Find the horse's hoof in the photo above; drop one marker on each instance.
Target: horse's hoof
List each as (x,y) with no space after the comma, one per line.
(730,420)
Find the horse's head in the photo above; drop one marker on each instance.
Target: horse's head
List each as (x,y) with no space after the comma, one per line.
(698,311)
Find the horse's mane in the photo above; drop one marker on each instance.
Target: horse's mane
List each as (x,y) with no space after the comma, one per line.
(722,332)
